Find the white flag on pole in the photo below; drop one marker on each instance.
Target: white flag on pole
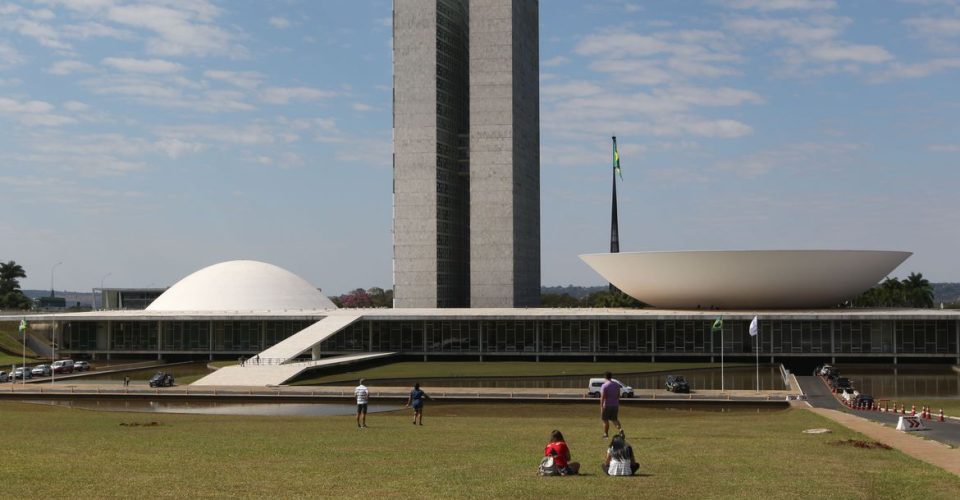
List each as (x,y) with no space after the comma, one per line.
(753,327)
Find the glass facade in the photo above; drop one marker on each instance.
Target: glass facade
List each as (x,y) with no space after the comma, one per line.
(649,337)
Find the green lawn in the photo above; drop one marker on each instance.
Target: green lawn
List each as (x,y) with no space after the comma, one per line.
(7,359)
(478,451)
(448,369)
(9,340)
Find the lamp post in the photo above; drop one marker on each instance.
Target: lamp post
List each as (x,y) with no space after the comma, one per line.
(105,276)
(51,278)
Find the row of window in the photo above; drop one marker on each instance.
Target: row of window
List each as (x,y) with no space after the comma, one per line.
(574,336)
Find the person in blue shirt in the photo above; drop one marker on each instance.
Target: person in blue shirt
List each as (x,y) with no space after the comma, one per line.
(415,400)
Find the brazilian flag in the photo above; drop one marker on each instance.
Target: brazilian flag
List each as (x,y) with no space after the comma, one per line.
(717,325)
(616,159)
(23,326)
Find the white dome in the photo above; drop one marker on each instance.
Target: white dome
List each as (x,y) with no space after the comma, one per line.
(241,285)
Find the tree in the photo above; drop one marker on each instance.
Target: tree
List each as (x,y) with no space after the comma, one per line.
(615,299)
(917,291)
(356,299)
(559,300)
(10,295)
(380,297)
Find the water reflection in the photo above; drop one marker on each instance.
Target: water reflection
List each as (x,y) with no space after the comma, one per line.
(890,382)
(740,378)
(218,408)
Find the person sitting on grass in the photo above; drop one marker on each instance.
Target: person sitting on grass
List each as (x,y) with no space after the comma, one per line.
(557,448)
(619,460)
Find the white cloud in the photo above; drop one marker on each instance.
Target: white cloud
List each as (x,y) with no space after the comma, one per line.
(935,27)
(242,79)
(917,70)
(179,28)
(76,106)
(44,34)
(154,66)
(361,107)
(279,22)
(9,56)
(68,67)
(869,54)
(774,5)
(283,95)
(554,61)
(570,89)
(33,113)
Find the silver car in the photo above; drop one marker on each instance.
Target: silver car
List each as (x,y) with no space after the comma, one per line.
(21,373)
(4,377)
(41,370)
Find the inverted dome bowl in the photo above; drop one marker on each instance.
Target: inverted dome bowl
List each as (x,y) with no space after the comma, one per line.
(745,279)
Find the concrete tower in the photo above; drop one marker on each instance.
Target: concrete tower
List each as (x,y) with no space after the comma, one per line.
(466,153)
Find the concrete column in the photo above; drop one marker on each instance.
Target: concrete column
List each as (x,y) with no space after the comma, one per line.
(315,352)
(159,339)
(536,339)
(263,335)
(210,339)
(957,332)
(833,342)
(370,335)
(481,340)
(109,338)
(424,340)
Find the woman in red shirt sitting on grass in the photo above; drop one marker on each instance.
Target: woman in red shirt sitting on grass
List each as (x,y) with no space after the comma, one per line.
(557,448)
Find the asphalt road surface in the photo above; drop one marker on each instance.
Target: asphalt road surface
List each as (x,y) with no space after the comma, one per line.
(820,396)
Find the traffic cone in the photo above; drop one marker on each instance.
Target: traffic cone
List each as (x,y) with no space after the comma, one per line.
(925,413)
(941,415)
(913,410)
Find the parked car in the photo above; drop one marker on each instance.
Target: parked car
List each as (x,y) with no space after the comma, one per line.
(593,388)
(41,370)
(81,366)
(4,377)
(826,369)
(849,394)
(841,383)
(62,366)
(161,379)
(21,373)
(676,383)
(863,399)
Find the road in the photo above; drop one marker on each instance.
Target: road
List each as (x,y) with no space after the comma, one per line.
(820,396)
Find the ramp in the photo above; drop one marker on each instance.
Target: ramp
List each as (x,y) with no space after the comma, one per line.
(300,342)
(263,375)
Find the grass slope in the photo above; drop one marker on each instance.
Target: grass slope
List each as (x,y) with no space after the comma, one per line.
(463,451)
(412,369)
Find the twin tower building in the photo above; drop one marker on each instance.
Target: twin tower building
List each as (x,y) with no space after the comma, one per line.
(466,154)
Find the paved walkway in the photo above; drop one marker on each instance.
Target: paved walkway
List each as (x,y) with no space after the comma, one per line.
(252,374)
(932,452)
(881,427)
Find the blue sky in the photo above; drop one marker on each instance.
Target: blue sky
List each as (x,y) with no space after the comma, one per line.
(146,140)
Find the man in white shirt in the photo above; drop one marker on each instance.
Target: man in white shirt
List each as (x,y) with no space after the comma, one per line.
(363,395)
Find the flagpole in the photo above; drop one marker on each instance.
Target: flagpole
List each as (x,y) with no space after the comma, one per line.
(614,223)
(24,365)
(721,358)
(758,359)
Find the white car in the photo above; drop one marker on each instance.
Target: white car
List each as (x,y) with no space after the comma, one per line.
(593,388)
(849,394)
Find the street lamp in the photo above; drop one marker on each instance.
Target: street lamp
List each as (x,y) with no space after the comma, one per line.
(105,276)
(51,278)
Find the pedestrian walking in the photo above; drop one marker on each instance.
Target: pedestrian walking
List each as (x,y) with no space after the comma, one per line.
(126,381)
(363,396)
(416,399)
(242,359)
(610,404)
(256,359)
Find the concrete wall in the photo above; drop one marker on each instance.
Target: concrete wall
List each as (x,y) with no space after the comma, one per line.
(414,154)
(504,153)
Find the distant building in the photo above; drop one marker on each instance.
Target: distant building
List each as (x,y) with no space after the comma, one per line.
(126,298)
(466,192)
(47,302)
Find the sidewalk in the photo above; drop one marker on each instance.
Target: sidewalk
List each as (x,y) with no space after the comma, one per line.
(932,452)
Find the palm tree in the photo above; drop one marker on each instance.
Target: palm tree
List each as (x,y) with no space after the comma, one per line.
(10,272)
(918,291)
